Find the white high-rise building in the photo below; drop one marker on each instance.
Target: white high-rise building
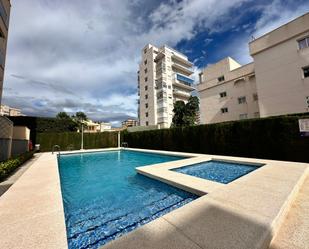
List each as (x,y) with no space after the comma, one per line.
(164,77)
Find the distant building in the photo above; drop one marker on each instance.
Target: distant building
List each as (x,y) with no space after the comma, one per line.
(105,127)
(10,111)
(5,8)
(276,83)
(91,126)
(164,77)
(129,123)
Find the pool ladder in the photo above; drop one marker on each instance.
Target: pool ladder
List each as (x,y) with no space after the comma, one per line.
(56,146)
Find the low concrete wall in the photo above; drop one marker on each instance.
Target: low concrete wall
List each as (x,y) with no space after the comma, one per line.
(19,146)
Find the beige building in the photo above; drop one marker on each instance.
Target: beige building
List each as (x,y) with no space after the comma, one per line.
(91,126)
(5,7)
(9,111)
(164,77)
(129,123)
(276,83)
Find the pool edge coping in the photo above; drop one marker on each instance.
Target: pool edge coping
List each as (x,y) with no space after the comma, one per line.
(51,235)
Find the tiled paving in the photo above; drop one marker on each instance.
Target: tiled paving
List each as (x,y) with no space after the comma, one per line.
(245,213)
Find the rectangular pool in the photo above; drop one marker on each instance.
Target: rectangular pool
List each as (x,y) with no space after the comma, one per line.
(104,197)
(218,171)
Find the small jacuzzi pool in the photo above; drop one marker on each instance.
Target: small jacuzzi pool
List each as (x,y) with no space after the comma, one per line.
(218,171)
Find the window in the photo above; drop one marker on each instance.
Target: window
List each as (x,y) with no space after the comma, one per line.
(145,70)
(242,100)
(147,123)
(146,88)
(221,78)
(145,50)
(146,105)
(223,94)
(256,114)
(303,43)
(224,110)
(145,62)
(169,87)
(306,72)
(243,116)
(307,101)
(146,79)
(146,114)
(255,97)
(146,96)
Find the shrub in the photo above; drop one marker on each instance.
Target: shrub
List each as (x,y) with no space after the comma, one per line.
(270,138)
(7,167)
(72,140)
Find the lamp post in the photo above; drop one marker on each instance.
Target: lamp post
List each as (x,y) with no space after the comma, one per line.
(82,141)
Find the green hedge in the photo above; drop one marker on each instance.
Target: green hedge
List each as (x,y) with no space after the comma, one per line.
(270,138)
(7,167)
(72,140)
(43,125)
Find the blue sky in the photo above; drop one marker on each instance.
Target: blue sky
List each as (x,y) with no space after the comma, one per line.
(83,55)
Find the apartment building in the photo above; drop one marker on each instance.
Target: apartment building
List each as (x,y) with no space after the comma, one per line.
(129,123)
(5,7)
(164,77)
(275,83)
(6,110)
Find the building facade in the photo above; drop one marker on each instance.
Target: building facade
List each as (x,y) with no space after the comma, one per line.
(164,77)
(5,7)
(129,123)
(275,83)
(9,111)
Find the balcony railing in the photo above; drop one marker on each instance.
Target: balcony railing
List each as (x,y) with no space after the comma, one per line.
(184,79)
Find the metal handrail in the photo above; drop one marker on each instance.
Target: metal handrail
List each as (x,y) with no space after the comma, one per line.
(56,146)
(124,145)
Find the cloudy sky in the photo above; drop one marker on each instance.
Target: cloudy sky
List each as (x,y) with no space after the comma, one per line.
(79,55)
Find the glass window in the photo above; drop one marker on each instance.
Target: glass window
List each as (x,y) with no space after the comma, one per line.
(223,94)
(147,123)
(243,116)
(146,105)
(146,96)
(224,110)
(145,70)
(146,88)
(221,78)
(242,100)
(146,114)
(146,79)
(306,72)
(145,62)
(255,97)
(303,43)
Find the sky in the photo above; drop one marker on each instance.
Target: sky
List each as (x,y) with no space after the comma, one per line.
(81,55)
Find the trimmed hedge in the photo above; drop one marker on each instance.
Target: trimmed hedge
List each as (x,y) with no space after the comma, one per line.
(7,167)
(72,140)
(40,125)
(275,138)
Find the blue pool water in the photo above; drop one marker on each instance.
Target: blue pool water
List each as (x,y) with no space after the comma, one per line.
(218,171)
(104,197)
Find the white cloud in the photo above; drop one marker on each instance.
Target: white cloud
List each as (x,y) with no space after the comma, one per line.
(83,55)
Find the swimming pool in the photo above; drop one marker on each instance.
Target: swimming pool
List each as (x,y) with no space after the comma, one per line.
(104,197)
(218,171)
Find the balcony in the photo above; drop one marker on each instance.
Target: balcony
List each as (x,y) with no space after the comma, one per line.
(184,70)
(181,93)
(183,82)
(182,60)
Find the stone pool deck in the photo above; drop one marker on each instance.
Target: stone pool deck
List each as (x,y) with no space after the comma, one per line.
(246,213)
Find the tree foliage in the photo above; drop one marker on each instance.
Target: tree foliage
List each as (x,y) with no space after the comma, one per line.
(63,116)
(186,114)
